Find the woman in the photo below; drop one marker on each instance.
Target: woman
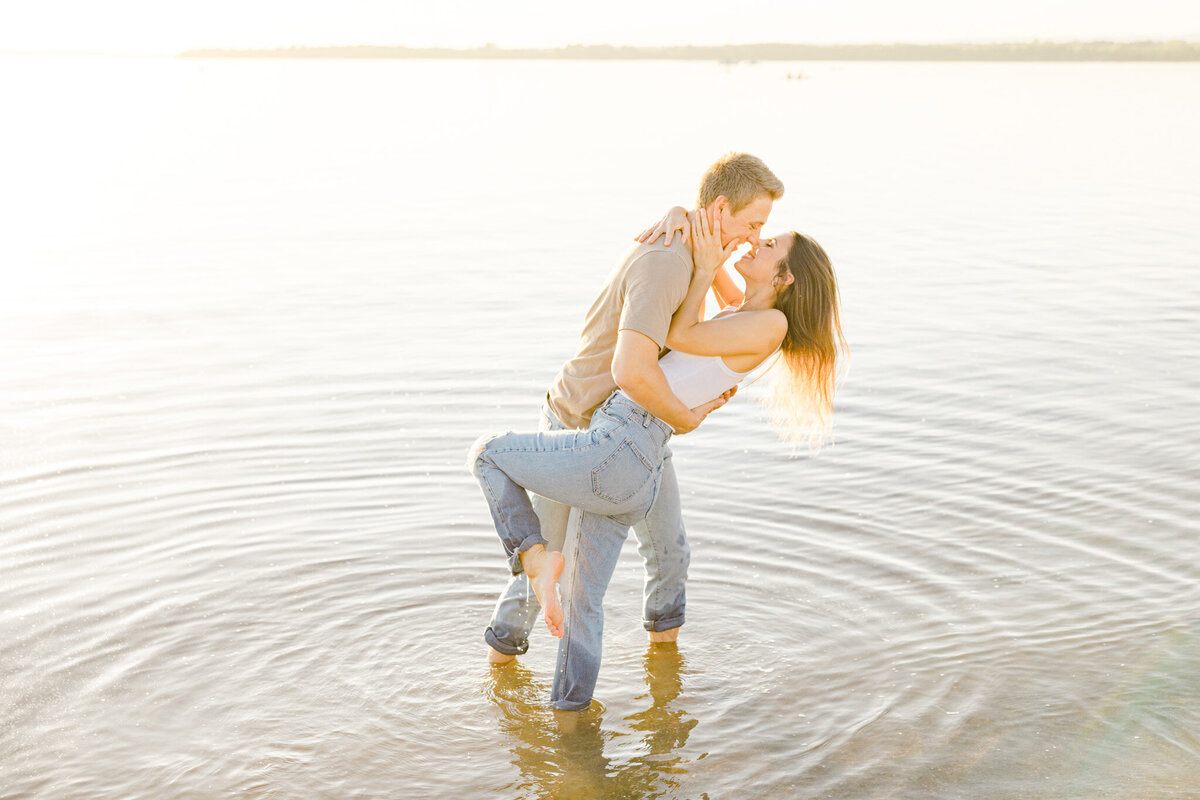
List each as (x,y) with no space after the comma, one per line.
(611,471)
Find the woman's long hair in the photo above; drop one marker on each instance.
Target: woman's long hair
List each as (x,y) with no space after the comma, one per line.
(813,350)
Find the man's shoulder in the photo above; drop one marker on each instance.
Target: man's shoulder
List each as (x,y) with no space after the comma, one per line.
(656,260)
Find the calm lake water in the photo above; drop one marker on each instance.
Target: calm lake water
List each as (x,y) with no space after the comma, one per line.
(254,312)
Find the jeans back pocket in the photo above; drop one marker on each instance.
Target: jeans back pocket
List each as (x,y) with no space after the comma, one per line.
(623,474)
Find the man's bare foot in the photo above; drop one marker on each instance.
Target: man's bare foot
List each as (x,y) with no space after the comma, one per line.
(657,637)
(496,657)
(544,568)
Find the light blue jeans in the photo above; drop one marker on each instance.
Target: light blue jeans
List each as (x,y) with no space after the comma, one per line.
(590,487)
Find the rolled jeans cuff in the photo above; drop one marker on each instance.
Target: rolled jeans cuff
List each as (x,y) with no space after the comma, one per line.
(500,646)
(514,560)
(660,625)
(563,705)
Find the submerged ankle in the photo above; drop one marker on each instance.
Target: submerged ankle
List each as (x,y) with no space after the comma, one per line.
(659,637)
(496,657)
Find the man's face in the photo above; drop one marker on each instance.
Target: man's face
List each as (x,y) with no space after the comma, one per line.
(744,226)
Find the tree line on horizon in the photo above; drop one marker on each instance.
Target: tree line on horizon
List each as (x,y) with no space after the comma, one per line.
(1015,51)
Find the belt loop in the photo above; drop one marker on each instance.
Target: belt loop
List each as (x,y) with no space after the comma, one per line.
(646,420)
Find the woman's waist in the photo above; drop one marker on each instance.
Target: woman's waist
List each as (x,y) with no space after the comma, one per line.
(695,380)
(621,403)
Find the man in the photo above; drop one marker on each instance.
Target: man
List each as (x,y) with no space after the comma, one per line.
(623,337)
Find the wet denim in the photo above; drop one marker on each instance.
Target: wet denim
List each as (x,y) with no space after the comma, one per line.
(662,544)
(590,486)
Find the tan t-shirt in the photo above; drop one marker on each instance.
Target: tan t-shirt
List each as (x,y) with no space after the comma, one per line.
(641,295)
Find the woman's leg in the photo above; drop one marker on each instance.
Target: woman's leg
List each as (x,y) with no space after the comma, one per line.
(609,469)
(602,471)
(517,609)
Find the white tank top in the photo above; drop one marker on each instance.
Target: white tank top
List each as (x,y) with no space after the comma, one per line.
(697,379)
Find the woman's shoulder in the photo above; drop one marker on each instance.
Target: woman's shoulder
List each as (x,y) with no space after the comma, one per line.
(767,325)
(760,316)
(772,322)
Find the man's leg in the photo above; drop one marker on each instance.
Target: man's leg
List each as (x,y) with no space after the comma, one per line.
(592,548)
(662,544)
(517,609)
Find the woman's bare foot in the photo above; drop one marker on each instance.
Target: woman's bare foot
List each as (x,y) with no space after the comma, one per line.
(496,657)
(544,568)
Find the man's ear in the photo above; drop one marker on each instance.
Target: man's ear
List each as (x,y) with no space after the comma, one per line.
(721,203)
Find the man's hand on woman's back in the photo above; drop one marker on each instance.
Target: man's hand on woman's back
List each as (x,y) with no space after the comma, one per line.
(704,410)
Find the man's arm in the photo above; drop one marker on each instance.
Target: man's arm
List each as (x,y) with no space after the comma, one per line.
(635,369)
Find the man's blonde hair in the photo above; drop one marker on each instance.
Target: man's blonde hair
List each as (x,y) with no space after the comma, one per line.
(741,178)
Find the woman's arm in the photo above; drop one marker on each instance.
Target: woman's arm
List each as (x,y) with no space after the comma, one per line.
(748,333)
(691,310)
(676,219)
(725,290)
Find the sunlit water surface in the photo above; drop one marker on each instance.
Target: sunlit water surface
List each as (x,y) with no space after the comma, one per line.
(253,313)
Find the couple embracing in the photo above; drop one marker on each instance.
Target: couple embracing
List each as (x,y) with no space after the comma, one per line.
(649,367)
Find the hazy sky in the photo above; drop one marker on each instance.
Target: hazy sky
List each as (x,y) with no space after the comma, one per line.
(169,26)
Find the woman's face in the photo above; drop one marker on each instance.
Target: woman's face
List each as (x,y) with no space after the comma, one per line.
(761,263)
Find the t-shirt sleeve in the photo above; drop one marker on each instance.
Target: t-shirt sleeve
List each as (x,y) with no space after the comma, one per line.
(655,285)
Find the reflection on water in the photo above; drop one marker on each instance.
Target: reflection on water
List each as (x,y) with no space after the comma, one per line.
(665,724)
(562,754)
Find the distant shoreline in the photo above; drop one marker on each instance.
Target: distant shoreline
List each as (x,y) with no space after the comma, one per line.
(1017,51)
